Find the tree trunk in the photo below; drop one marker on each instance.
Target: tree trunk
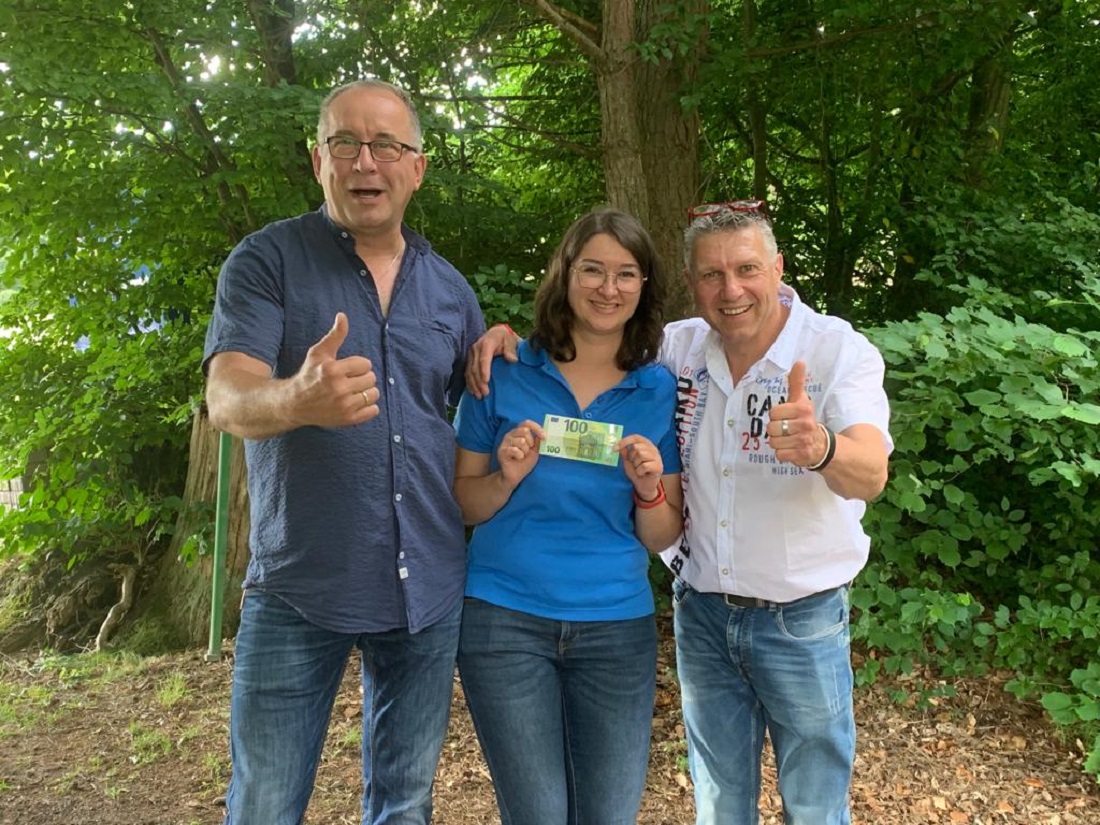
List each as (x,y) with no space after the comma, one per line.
(650,142)
(670,149)
(990,93)
(181,594)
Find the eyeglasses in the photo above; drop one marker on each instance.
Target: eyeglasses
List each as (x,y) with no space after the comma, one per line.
(383,151)
(705,210)
(593,276)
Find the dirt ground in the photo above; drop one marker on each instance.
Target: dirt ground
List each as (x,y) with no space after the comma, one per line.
(124,741)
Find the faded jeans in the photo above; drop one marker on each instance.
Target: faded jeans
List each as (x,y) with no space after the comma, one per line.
(781,668)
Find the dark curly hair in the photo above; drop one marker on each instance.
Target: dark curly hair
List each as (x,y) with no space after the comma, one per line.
(554,317)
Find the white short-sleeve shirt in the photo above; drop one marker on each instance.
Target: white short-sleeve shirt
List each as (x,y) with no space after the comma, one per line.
(755,526)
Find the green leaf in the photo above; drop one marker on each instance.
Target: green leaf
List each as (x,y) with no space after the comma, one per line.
(980,398)
(1085,413)
(1057,701)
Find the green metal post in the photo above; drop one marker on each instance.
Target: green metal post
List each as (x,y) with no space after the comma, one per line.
(221,541)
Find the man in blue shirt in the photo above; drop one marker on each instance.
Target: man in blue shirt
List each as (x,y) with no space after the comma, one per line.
(337,341)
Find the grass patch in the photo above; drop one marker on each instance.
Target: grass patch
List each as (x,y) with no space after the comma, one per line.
(24,706)
(351,738)
(90,668)
(147,745)
(172,690)
(113,792)
(215,769)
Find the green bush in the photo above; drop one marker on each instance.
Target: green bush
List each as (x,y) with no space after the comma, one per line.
(984,543)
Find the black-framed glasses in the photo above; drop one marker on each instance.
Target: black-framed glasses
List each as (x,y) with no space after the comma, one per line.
(593,276)
(705,210)
(383,151)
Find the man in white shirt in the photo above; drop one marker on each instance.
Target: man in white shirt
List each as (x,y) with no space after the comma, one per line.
(783,428)
(783,433)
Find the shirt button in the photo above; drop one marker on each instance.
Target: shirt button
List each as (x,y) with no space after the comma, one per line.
(729,422)
(397,497)
(401,555)
(725,571)
(725,471)
(724,523)
(389,380)
(397,439)
(343,234)
(362,273)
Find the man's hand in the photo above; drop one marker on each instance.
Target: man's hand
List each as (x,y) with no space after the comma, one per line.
(497,340)
(329,391)
(793,431)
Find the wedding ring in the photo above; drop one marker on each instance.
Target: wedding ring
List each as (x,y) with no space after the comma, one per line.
(365,397)
(784,427)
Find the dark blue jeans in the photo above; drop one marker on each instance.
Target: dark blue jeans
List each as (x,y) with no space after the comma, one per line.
(563,711)
(285,678)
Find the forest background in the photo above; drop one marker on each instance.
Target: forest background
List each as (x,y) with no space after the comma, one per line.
(933,172)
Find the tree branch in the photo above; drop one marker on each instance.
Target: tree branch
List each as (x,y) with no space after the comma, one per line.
(581,31)
(215,159)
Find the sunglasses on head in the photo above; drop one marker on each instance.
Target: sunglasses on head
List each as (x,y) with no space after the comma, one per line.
(704,210)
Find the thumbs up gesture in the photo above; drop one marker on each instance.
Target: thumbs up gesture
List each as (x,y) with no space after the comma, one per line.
(330,391)
(793,431)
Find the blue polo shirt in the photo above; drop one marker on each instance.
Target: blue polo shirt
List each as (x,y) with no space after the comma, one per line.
(355,527)
(563,546)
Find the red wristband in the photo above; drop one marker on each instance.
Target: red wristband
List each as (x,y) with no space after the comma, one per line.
(642,504)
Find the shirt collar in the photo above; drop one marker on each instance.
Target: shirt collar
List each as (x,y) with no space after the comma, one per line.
(644,377)
(783,351)
(415,240)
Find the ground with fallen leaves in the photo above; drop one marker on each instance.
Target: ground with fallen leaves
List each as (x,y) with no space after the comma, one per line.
(144,743)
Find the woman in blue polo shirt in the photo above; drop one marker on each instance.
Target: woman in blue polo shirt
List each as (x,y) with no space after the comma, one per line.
(558,646)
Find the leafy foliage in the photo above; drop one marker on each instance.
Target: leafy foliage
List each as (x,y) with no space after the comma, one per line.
(985,539)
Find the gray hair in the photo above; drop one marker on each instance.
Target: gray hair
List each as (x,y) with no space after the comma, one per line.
(371,83)
(728,220)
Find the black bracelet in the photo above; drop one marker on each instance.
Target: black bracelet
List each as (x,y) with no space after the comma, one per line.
(830,449)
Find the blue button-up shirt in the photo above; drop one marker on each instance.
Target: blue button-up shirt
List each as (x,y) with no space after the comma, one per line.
(355,527)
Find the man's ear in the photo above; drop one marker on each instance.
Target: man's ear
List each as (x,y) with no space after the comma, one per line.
(421,165)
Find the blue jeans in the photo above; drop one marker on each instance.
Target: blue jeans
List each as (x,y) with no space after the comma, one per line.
(285,678)
(563,711)
(783,668)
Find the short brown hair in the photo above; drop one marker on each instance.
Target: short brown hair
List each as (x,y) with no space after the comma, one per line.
(553,315)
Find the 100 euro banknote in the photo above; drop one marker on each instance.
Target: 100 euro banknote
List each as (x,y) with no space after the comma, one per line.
(581,440)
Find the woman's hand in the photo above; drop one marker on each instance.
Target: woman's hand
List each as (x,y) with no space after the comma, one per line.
(642,465)
(519,452)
